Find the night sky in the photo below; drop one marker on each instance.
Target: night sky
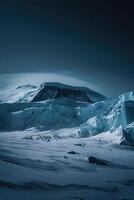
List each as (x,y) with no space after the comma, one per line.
(89,40)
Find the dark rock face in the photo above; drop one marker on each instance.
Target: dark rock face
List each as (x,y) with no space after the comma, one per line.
(128,135)
(129,108)
(106,163)
(58,90)
(97,161)
(72,152)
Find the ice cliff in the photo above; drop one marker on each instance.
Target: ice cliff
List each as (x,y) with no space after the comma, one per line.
(110,115)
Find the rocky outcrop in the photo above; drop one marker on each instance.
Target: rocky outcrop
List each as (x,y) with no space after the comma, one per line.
(53,90)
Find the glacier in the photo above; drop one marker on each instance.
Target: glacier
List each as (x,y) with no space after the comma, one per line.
(110,115)
(109,118)
(54,106)
(49,106)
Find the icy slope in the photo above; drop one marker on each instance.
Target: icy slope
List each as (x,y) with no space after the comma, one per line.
(108,118)
(21,94)
(110,115)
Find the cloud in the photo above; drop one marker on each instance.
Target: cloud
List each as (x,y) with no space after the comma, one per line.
(10,81)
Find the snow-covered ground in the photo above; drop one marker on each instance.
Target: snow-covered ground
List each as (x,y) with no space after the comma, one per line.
(55,165)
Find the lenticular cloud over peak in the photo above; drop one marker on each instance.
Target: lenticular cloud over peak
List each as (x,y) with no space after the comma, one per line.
(14,80)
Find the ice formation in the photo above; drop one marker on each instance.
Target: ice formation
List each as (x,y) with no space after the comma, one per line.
(54,106)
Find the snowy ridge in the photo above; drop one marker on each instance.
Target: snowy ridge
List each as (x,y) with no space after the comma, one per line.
(21,94)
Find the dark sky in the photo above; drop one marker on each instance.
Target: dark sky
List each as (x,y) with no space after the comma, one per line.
(91,40)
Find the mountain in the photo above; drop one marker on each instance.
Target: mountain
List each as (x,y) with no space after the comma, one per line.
(54,90)
(54,106)
(50,106)
(50,90)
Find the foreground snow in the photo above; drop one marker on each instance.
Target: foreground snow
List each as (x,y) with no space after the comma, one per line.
(38,166)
